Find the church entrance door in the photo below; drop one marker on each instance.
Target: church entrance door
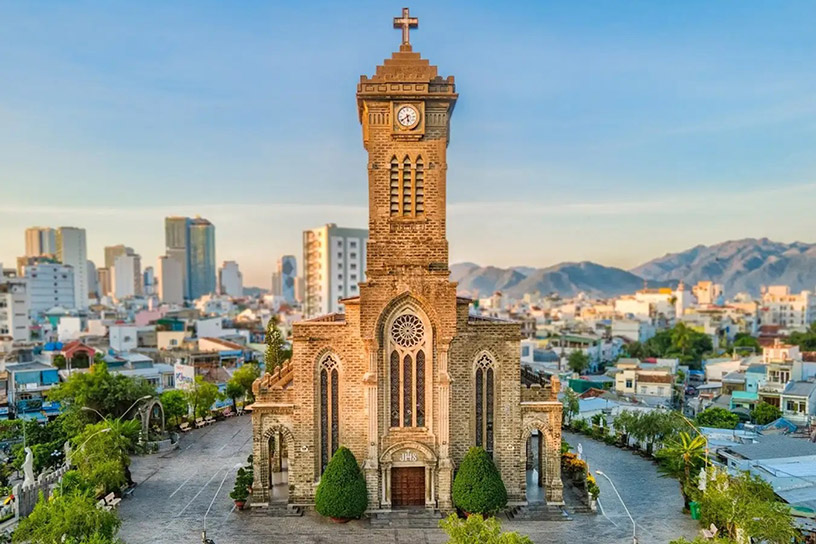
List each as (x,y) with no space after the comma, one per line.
(408,486)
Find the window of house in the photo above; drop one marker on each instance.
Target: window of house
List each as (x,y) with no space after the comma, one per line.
(329,409)
(484,402)
(628,384)
(408,341)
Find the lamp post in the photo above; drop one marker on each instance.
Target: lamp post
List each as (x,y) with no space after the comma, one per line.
(615,489)
(97,412)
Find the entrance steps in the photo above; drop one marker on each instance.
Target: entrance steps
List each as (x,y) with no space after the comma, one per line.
(413,518)
(538,511)
(276,510)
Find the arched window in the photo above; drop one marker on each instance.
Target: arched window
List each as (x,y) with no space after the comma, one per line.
(406,187)
(329,410)
(484,402)
(408,343)
(395,186)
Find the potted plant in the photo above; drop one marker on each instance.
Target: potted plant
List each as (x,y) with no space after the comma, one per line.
(478,487)
(240,492)
(341,494)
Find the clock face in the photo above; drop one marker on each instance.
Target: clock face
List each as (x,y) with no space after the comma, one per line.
(407,116)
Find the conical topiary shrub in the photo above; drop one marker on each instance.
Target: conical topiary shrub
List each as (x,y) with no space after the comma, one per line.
(342,491)
(478,487)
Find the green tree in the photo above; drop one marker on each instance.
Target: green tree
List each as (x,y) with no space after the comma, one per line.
(805,340)
(745,340)
(719,418)
(477,530)
(246,376)
(101,452)
(478,487)
(765,413)
(682,338)
(276,352)
(202,396)
(747,504)
(109,394)
(342,492)
(69,518)
(233,391)
(175,405)
(578,361)
(682,458)
(571,404)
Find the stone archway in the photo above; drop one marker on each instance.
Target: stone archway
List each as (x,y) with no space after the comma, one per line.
(408,471)
(540,457)
(272,469)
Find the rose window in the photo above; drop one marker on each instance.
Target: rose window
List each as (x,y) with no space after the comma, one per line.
(407,330)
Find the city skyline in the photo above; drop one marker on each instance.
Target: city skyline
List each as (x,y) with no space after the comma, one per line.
(624,121)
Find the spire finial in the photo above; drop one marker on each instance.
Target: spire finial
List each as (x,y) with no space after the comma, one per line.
(406,23)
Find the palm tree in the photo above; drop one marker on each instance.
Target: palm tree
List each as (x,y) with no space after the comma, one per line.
(681,337)
(682,458)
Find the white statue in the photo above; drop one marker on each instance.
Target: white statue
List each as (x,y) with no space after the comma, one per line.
(702,480)
(580,451)
(28,468)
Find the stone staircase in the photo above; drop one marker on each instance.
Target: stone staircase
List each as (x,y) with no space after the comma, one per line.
(405,519)
(538,511)
(276,510)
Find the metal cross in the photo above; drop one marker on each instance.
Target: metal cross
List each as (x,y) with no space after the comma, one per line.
(406,22)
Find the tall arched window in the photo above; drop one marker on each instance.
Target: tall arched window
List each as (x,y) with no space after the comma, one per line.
(484,402)
(329,409)
(408,343)
(406,187)
(395,187)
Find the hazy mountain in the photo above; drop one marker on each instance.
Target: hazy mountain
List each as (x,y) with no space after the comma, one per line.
(740,265)
(566,279)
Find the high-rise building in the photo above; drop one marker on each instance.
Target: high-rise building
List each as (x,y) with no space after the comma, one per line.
(72,250)
(93,280)
(49,285)
(104,281)
(334,262)
(14,307)
(170,280)
(177,243)
(202,272)
(230,280)
(40,242)
(149,278)
(284,278)
(126,277)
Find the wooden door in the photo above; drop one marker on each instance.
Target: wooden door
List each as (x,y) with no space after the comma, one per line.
(408,486)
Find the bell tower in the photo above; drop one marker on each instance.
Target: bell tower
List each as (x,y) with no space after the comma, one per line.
(405,110)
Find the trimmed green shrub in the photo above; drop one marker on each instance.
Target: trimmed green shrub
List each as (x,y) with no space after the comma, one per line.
(342,490)
(478,487)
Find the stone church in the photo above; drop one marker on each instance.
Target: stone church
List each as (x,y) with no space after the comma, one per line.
(407,378)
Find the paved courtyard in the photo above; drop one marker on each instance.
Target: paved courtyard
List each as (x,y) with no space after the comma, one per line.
(177,489)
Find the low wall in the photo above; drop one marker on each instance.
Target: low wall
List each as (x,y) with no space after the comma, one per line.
(25,497)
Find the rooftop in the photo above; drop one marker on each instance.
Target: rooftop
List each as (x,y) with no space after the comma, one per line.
(775,447)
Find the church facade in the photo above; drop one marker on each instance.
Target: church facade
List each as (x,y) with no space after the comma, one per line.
(406,378)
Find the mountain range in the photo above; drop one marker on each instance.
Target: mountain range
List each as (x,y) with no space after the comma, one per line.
(739,265)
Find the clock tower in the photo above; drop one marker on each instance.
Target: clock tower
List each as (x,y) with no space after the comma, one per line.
(405,110)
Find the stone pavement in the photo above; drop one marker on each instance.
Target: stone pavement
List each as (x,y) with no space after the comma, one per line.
(176,489)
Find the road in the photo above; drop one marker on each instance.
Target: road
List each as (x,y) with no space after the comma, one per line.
(178,488)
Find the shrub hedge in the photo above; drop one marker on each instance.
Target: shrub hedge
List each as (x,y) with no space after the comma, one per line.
(342,490)
(478,487)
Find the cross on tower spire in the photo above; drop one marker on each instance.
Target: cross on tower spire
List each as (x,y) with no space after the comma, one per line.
(406,23)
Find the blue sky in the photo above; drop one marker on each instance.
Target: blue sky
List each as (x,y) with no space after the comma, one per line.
(605,131)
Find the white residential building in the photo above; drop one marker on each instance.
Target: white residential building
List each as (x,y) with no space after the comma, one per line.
(707,292)
(49,285)
(40,242)
(126,276)
(72,250)
(123,337)
(334,262)
(780,307)
(230,280)
(170,276)
(14,303)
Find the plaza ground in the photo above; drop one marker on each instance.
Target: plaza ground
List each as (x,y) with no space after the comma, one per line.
(178,488)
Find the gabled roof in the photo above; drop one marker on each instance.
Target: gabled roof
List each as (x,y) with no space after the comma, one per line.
(799,389)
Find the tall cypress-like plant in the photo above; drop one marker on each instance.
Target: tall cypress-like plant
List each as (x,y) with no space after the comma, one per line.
(478,487)
(342,493)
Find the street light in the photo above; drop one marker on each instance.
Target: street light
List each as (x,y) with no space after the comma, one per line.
(615,489)
(72,452)
(137,401)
